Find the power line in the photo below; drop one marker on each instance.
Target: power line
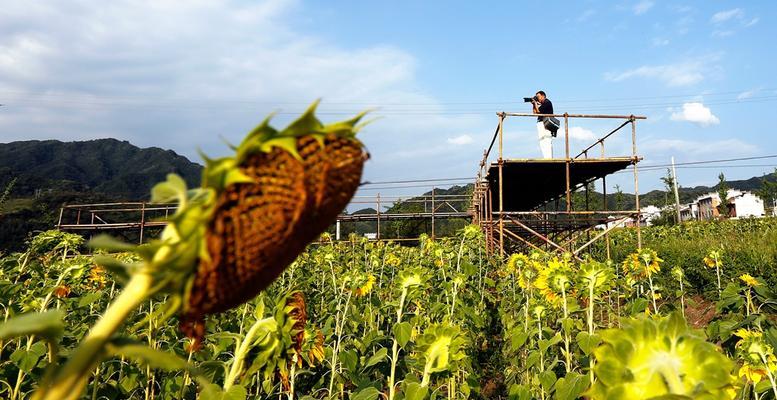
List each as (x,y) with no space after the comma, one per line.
(711,161)
(416,181)
(649,167)
(470,180)
(67,99)
(712,167)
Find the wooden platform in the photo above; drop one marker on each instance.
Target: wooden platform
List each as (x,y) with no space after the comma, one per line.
(531,183)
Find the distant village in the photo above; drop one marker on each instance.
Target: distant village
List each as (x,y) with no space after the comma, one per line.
(740,204)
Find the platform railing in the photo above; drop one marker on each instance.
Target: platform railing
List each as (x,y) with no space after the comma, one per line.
(482,197)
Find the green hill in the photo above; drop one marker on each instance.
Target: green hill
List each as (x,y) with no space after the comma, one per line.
(43,175)
(115,168)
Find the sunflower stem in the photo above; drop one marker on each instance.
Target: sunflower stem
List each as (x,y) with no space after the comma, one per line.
(69,382)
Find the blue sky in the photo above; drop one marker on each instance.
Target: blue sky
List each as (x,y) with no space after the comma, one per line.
(184,75)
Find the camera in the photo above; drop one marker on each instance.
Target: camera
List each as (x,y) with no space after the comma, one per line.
(530,99)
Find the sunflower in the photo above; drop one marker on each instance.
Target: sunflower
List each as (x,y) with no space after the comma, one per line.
(596,276)
(366,288)
(713,259)
(642,263)
(555,280)
(757,356)
(749,280)
(659,358)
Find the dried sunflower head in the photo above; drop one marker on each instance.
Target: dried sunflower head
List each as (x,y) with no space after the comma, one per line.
(255,212)
(280,191)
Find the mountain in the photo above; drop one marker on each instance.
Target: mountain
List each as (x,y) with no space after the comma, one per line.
(43,175)
(40,176)
(108,166)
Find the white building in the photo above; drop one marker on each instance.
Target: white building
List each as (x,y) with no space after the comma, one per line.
(745,204)
(740,205)
(649,214)
(689,212)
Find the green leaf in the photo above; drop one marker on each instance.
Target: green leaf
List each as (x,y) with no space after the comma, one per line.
(379,356)
(47,324)
(129,382)
(414,391)
(89,299)
(638,306)
(567,324)
(168,191)
(544,344)
(147,356)
(587,342)
(571,386)
(763,386)
(518,338)
(369,393)
(350,359)
(306,124)
(120,270)
(519,392)
(532,359)
(402,331)
(107,242)
(214,392)
(547,380)
(25,360)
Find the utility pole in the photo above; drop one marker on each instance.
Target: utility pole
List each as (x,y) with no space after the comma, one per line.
(676,193)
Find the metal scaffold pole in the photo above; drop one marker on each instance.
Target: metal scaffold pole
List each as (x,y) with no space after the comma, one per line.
(501,194)
(636,180)
(566,156)
(676,193)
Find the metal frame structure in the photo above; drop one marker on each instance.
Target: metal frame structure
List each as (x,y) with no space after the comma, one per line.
(139,216)
(436,206)
(544,225)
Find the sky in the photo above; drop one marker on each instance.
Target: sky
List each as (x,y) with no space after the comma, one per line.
(189,75)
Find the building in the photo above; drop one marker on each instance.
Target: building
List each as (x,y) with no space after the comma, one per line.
(707,206)
(649,214)
(740,205)
(689,212)
(745,204)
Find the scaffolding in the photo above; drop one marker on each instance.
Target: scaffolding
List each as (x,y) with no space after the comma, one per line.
(528,203)
(134,219)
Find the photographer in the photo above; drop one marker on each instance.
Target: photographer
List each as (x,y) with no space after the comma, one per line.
(541,105)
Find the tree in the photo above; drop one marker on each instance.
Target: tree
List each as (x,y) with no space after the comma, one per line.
(668,185)
(7,192)
(723,194)
(768,191)
(619,198)
(669,214)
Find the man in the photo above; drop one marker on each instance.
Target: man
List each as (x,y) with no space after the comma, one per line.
(541,105)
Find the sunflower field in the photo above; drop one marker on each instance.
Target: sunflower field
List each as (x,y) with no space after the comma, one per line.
(232,302)
(368,320)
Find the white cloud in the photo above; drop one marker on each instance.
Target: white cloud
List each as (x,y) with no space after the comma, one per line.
(682,9)
(683,24)
(578,133)
(460,140)
(696,113)
(180,74)
(719,33)
(746,94)
(723,16)
(586,15)
(643,6)
(696,148)
(752,22)
(659,42)
(679,74)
